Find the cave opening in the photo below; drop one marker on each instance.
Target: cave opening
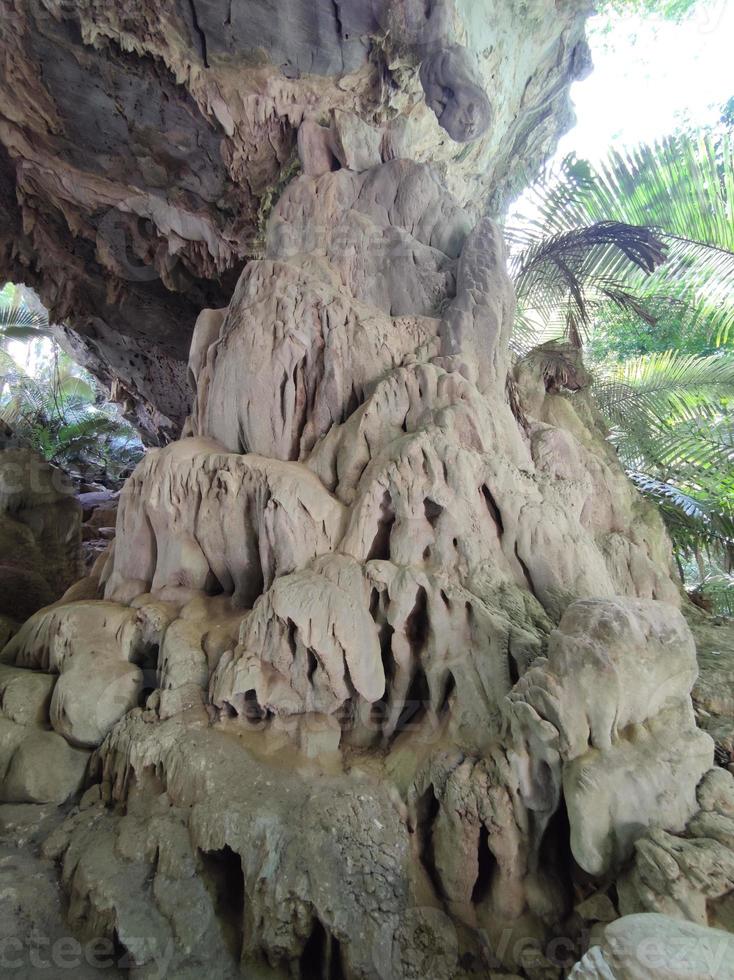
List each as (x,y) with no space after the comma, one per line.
(321,958)
(221,872)
(494,511)
(555,855)
(448,689)
(149,667)
(417,625)
(417,703)
(432,511)
(486,867)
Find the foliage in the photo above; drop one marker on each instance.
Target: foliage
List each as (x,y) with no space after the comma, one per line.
(675,10)
(618,334)
(655,315)
(18,321)
(59,411)
(671,423)
(716,589)
(562,277)
(682,191)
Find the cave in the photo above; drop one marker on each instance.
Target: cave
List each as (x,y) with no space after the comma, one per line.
(403,645)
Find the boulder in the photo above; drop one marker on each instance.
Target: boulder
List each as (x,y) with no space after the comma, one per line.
(25,696)
(93,692)
(688,875)
(52,636)
(609,713)
(656,947)
(38,766)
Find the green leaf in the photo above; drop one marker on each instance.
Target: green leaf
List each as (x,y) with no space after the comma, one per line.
(17,317)
(24,333)
(682,190)
(74,390)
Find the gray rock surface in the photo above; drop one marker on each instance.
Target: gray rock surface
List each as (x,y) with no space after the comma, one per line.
(142,145)
(386,671)
(655,947)
(40,537)
(38,766)
(25,696)
(384,675)
(616,687)
(37,942)
(713,693)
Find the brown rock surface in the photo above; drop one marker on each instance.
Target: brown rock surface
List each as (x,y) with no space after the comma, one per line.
(40,534)
(142,145)
(381,670)
(389,678)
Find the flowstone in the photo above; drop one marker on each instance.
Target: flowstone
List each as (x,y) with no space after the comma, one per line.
(409,667)
(142,144)
(385,675)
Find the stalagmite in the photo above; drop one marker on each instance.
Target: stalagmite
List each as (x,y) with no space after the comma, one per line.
(385,672)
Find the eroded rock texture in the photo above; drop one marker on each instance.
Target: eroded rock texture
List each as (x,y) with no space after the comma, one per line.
(143,144)
(384,678)
(40,534)
(384,675)
(654,947)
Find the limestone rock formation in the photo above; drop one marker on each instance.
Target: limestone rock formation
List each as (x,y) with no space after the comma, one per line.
(142,144)
(616,688)
(654,947)
(39,534)
(237,522)
(713,694)
(384,675)
(689,875)
(383,665)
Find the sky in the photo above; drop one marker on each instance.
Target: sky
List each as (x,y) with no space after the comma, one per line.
(651,76)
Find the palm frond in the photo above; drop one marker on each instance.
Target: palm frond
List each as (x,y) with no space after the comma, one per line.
(94,427)
(682,188)
(700,448)
(532,330)
(656,385)
(28,400)
(693,519)
(19,322)
(76,390)
(667,265)
(717,589)
(9,367)
(575,268)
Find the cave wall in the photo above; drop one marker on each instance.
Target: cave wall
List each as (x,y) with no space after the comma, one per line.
(142,145)
(384,675)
